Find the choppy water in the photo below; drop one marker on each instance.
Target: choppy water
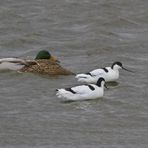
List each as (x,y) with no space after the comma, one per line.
(84,34)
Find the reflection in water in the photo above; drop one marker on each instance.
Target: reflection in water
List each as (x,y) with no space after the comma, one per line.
(113,84)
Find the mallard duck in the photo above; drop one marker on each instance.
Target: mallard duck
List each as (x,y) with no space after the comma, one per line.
(82,92)
(44,63)
(108,73)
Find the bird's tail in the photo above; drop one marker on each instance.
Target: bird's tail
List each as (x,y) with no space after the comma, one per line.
(61,93)
(78,76)
(83,77)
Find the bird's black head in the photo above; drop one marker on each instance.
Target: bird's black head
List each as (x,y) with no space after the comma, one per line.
(117,63)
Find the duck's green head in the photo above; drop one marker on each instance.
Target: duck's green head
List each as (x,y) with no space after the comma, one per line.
(43,54)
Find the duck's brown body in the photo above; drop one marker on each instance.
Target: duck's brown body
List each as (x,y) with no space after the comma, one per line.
(46,67)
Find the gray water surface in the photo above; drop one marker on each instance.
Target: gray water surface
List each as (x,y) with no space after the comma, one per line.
(84,35)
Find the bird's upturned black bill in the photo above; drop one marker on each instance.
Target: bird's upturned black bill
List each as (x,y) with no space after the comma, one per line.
(105,86)
(127,70)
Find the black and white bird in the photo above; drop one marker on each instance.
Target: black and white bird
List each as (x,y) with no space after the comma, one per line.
(108,73)
(83,92)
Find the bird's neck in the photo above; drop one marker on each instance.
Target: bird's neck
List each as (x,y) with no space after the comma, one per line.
(100,84)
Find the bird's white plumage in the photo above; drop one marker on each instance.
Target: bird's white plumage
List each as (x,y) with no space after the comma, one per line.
(11,60)
(13,63)
(82,92)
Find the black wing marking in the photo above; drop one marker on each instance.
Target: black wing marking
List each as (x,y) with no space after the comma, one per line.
(69,89)
(105,69)
(91,87)
(89,73)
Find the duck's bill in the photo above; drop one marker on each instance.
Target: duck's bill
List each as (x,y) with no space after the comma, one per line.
(127,69)
(54,59)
